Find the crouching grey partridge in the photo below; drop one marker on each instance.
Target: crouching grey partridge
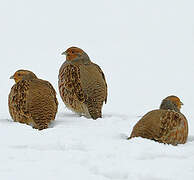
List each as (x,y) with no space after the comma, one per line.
(165,125)
(82,84)
(32,101)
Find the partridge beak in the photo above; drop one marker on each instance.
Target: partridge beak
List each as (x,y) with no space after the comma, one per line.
(182,103)
(64,53)
(12,77)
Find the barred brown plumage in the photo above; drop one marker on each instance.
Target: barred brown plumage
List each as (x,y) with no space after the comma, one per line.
(165,125)
(82,84)
(31,100)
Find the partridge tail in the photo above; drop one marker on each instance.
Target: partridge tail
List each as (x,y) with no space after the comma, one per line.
(42,126)
(94,110)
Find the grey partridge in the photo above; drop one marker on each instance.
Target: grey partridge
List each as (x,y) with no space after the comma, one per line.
(31,100)
(82,84)
(165,125)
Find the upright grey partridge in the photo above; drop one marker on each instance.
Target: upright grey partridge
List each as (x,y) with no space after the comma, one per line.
(166,125)
(82,84)
(31,100)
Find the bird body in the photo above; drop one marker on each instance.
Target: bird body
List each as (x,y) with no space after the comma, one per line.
(33,102)
(163,125)
(82,85)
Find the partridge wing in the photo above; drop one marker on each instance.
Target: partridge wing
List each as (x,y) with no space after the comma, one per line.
(70,85)
(94,88)
(17,102)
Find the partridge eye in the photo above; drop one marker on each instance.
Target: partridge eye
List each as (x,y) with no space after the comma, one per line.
(19,74)
(72,52)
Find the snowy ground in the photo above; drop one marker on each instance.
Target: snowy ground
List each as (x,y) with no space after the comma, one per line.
(79,148)
(146,50)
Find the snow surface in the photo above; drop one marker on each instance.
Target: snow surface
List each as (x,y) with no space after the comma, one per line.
(146,50)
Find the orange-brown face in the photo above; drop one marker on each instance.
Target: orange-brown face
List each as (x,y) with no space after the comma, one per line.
(21,75)
(175,100)
(73,53)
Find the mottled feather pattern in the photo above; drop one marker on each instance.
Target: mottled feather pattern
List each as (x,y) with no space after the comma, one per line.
(33,102)
(53,93)
(70,86)
(174,128)
(42,103)
(17,102)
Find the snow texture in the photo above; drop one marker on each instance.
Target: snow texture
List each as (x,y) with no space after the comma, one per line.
(146,50)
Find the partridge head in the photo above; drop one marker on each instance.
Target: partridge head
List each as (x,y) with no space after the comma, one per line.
(171,103)
(75,54)
(23,75)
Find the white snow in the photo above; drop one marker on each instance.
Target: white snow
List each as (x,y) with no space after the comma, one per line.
(146,50)
(77,147)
